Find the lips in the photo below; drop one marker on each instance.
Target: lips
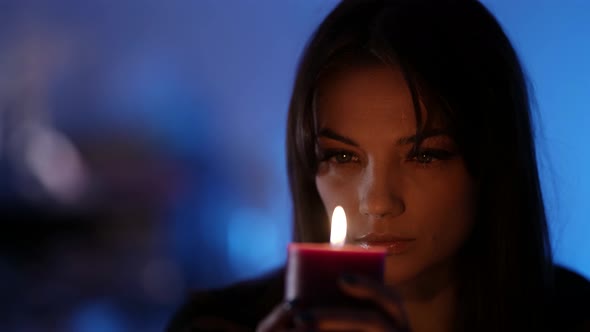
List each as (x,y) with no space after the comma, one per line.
(392,243)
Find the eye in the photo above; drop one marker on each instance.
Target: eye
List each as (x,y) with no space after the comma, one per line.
(424,158)
(430,155)
(339,156)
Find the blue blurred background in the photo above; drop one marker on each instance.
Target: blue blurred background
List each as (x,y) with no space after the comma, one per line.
(141,148)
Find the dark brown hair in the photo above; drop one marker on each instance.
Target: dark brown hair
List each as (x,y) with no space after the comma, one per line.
(458,61)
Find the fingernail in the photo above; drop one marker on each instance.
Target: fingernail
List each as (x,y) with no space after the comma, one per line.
(349,279)
(291,304)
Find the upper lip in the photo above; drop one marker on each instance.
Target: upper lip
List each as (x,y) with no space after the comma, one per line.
(381,237)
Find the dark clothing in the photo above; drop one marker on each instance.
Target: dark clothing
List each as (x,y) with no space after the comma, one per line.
(245,304)
(571,301)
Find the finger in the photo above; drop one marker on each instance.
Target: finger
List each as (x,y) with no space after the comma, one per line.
(349,320)
(279,318)
(385,298)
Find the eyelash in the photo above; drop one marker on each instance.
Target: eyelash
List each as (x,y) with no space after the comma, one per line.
(430,154)
(427,156)
(331,154)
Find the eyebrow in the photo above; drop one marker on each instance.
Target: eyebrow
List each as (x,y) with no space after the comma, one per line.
(329,133)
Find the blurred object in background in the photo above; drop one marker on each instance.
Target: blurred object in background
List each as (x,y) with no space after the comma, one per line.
(141,155)
(141,148)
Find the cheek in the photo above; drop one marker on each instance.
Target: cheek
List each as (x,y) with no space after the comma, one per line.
(334,192)
(450,216)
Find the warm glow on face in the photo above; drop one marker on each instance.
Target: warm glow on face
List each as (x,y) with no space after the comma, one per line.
(338,233)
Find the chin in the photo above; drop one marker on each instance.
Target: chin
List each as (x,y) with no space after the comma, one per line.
(410,276)
(399,271)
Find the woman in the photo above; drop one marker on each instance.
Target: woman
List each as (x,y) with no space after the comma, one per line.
(414,116)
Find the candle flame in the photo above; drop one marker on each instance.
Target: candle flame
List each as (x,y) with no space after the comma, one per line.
(338,233)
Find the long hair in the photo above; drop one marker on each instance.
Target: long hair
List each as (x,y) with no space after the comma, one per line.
(457,60)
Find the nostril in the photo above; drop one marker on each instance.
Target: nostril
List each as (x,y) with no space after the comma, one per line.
(388,208)
(380,215)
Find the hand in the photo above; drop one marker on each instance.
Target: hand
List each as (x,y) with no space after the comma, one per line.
(388,314)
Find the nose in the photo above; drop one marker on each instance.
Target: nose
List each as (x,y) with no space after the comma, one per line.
(380,193)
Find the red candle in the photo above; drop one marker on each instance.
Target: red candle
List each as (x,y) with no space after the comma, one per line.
(313,269)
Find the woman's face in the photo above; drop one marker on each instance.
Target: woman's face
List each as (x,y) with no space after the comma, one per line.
(420,206)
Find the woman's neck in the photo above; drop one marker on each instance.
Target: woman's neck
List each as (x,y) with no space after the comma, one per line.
(430,300)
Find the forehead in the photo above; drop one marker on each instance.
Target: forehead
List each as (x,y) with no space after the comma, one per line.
(366,95)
